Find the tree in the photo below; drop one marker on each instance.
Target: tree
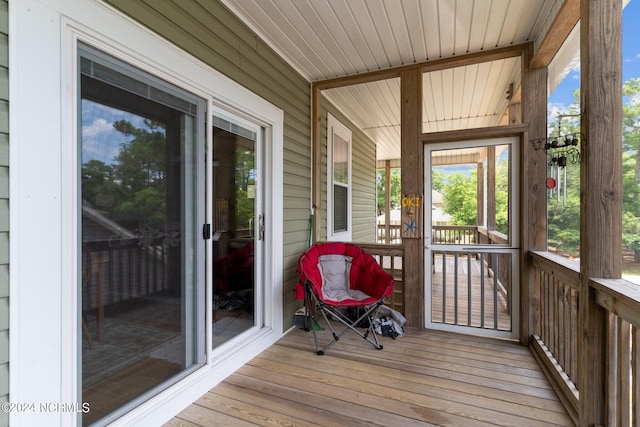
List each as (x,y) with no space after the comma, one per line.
(141,160)
(564,217)
(245,178)
(132,190)
(459,195)
(631,166)
(437,180)
(395,189)
(563,202)
(502,196)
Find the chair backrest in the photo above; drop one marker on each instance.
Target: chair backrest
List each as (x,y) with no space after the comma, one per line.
(336,258)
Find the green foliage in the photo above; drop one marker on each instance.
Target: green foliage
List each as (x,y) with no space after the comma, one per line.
(459,192)
(631,233)
(245,187)
(564,221)
(395,189)
(502,196)
(437,180)
(459,195)
(132,190)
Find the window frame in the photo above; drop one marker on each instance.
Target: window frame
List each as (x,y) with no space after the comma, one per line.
(337,128)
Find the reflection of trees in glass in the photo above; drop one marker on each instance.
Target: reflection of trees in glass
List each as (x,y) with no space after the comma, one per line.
(132,190)
(245,187)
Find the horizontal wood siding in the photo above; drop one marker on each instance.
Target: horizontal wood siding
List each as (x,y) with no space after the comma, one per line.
(211,33)
(4,209)
(363,176)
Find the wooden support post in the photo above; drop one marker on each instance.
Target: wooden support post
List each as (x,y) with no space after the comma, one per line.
(412,157)
(534,194)
(387,201)
(601,190)
(480,196)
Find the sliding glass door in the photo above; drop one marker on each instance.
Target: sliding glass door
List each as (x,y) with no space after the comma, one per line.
(141,292)
(238,227)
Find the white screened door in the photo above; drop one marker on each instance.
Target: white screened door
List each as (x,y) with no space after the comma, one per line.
(472,248)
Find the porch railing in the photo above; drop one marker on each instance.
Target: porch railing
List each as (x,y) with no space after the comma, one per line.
(391,236)
(463,234)
(118,270)
(555,344)
(391,258)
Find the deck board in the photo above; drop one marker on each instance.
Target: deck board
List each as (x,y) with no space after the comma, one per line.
(421,379)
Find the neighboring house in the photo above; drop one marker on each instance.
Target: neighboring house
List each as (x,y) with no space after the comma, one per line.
(162,168)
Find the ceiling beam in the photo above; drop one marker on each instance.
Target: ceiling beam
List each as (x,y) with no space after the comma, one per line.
(565,20)
(427,66)
(473,134)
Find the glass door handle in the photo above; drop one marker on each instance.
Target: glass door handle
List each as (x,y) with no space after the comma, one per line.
(261,227)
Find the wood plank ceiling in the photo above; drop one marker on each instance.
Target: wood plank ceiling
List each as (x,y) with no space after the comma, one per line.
(325,39)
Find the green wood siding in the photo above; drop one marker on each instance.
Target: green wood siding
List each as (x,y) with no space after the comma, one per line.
(363,177)
(211,33)
(4,208)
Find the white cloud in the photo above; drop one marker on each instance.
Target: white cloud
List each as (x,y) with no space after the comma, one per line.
(100,141)
(95,129)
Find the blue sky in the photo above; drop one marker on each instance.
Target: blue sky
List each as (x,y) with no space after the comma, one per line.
(630,56)
(100,141)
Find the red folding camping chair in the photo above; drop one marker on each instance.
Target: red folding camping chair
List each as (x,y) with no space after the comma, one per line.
(337,278)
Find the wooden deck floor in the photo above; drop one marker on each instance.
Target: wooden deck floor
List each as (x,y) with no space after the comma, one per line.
(420,379)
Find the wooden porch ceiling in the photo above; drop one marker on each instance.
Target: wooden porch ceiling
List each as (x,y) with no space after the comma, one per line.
(422,378)
(327,39)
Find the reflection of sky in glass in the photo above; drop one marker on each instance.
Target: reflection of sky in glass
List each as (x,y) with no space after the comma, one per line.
(100,141)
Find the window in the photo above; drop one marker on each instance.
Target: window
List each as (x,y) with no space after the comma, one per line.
(338,180)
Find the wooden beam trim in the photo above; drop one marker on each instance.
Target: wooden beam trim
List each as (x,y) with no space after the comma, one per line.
(473,134)
(564,22)
(426,66)
(475,58)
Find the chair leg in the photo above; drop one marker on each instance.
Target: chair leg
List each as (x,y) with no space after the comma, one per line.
(313,306)
(310,321)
